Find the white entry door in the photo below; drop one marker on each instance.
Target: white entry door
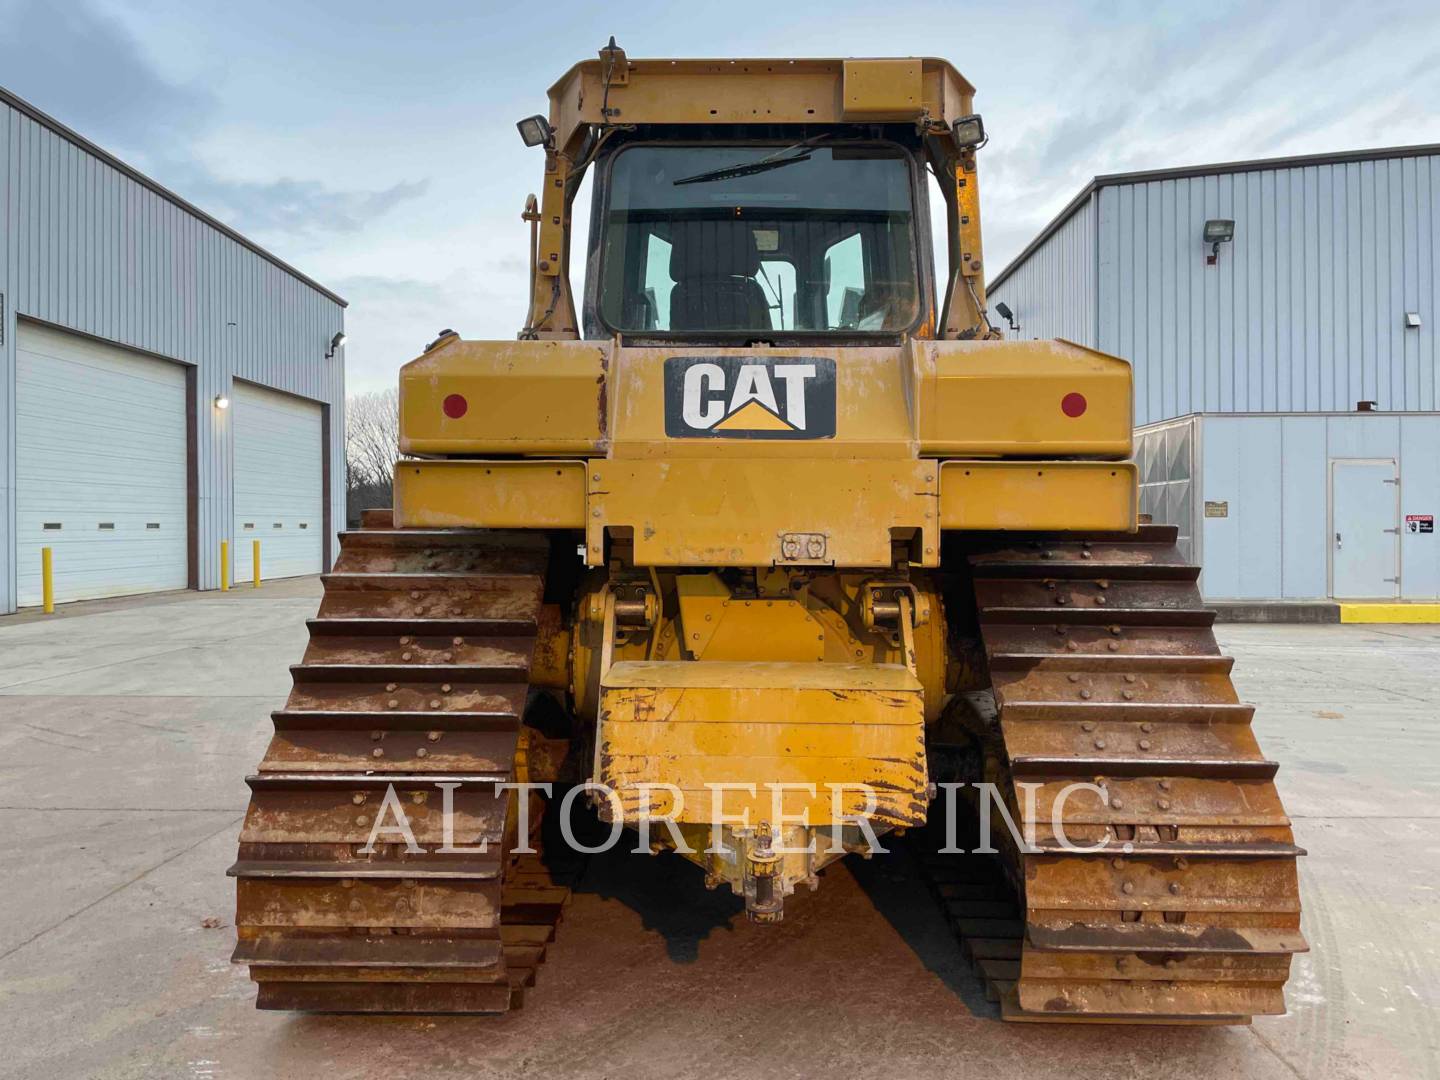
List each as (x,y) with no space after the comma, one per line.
(1365,529)
(279,488)
(100,468)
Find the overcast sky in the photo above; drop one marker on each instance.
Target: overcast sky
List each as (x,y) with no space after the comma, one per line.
(373,146)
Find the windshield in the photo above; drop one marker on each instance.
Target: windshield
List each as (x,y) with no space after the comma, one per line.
(794,238)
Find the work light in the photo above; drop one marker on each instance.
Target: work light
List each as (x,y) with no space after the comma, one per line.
(535,130)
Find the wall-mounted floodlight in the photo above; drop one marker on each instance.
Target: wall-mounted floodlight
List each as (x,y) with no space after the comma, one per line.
(535,130)
(1217,231)
(221,401)
(1008,315)
(968,132)
(1412,320)
(335,343)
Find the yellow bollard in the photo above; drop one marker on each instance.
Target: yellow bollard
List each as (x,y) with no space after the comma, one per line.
(255,554)
(47,581)
(224,565)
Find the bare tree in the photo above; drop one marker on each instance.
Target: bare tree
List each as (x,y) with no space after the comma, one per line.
(372,446)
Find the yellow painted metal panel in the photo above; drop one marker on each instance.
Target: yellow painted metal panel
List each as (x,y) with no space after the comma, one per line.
(763,739)
(490,494)
(716,626)
(760,675)
(520,397)
(881,89)
(736,512)
(697,723)
(1390,613)
(1039,495)
(1009,398)
(824,807)
(872,410)
(775,91)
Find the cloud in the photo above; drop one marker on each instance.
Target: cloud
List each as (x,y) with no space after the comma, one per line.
(1157,88)
(85,68)
(392,318)
(295,207)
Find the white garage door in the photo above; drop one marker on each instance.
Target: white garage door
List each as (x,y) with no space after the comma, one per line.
(100,469)
(279,496)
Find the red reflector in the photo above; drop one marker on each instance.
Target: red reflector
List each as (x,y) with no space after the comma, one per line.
(1073,404)
(455,406)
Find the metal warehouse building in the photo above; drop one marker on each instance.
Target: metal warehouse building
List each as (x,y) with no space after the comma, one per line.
(1280,318)
(164,383)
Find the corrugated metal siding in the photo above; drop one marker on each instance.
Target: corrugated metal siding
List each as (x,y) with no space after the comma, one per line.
(1305,309)
(87,248)
(1053,292)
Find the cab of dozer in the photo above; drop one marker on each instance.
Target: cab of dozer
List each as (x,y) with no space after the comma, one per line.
(754,441)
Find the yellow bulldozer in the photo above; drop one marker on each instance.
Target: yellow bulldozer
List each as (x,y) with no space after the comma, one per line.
(766,546)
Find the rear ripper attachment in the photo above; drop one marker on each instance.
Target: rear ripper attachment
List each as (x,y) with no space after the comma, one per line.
(416,676)
(1104,671)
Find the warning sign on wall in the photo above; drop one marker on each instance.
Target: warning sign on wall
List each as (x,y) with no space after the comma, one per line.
(1420,523)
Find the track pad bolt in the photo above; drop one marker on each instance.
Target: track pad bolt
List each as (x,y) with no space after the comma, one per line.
(1174,888)
(1128,888)
(358,798)
(422,752)
(434,736)
(377,752)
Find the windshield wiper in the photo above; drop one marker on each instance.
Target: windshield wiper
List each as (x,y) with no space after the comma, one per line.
(777,160)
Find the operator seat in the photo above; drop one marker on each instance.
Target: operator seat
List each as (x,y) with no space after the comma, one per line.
(713,265)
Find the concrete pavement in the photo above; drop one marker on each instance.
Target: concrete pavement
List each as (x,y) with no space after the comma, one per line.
(126,731)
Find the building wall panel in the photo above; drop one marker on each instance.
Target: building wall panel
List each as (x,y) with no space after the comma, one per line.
(1419,494)
(1304,310)
(1053,292)
(1272,472)
(88,247)
(1304,506)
